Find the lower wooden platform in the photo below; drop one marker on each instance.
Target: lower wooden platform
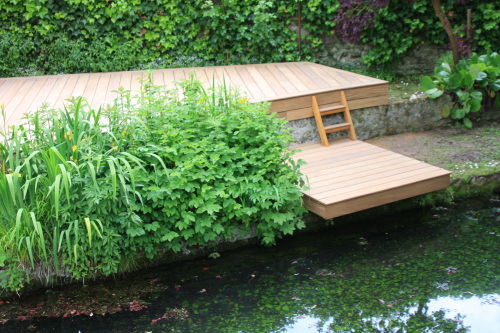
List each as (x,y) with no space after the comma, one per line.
(350,176)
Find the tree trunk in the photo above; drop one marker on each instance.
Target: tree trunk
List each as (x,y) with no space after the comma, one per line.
(449,30)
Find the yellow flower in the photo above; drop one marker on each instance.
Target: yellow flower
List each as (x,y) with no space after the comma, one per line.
(113,143)
(73,148)
(124,132)
(242,100)
(71,158)
(19,175)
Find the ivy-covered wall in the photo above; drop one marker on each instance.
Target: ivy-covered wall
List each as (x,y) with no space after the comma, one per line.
(54,36)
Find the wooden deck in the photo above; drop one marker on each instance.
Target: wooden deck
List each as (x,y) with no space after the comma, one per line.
(289,86)
(346,177)
(350,176)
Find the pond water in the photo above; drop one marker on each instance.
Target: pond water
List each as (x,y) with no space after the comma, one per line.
(431,270)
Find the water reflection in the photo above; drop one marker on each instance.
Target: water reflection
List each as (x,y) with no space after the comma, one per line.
(435,271)
(479,314)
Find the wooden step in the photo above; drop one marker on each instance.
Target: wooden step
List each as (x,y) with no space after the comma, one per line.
(337,127)
(332,110)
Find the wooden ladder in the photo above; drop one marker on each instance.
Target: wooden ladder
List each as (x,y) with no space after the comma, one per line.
(342,108)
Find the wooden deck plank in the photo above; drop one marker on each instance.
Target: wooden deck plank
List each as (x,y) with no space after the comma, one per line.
(56,90)
(80,86)
(350,182)
(27,96)
(135,81)
(318,80)
(359,170)
(232,74)
(12,90)
(17,98)
(291,77)
(338,165)
(272,80)
(99,99)
(213,77)
(169,79)
(91,88)
(261,82)
(157,78)
(332,82)
(403,180)
(349,176)
(201,75)
(44,91)
(251,85)
(282,79)
(6,84)
(304,78)
(66,92)
(113,87)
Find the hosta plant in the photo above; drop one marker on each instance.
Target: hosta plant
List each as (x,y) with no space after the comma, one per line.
(472,83)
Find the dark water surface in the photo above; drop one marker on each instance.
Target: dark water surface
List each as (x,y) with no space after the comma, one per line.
(433,270)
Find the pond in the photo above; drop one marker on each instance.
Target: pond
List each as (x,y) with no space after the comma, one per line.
(429,270)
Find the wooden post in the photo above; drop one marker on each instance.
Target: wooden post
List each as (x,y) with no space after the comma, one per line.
(299,30)
(469,31)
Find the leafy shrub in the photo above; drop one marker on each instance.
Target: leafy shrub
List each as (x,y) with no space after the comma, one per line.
(83,192)
(78,56)
(222,31)
(16,56)
(227,170)
(469,83)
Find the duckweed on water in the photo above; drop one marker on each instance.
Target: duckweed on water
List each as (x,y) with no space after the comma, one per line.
(427,271)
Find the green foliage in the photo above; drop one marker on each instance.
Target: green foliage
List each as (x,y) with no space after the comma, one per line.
(405,25)
(225,169)
(47,36)
(83,191)
(467,82)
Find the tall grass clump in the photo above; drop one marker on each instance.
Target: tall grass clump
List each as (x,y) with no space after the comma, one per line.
(85,192)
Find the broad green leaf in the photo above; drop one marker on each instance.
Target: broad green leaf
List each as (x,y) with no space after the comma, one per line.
(481,76)
(495,85)
(457,113)
(477,95)
(434,93)
(475,105)
(426,83)
(474,70)
(462,95)
(169,236)
(466,80)
(467,122)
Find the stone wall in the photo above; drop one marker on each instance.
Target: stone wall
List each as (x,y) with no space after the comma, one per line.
(406,116)
(339,53)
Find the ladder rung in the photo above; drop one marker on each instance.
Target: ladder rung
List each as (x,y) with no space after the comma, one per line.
(337,127)
(332,110)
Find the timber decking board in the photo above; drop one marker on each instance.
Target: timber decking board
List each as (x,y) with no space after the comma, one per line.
(350,176)
(288,86)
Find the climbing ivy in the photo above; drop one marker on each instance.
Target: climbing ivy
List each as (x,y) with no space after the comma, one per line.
(136,34)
